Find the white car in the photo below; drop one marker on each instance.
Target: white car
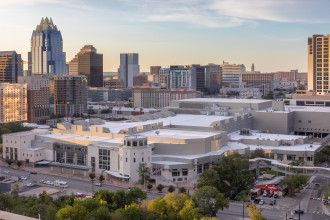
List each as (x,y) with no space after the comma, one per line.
(261,202)
(23,178)
(49,183)
(30,184)
(98,184)
(265,194)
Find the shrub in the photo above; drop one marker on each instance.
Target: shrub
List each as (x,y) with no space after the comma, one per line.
(171,188)
(160,187)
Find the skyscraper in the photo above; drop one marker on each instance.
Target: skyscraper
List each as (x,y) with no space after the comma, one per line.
(70,95)
(318,63)
(11,66)
(90,64)
(47,56)
(129,67)
(232,74)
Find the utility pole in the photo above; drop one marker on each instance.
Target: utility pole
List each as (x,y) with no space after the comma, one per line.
(299,210)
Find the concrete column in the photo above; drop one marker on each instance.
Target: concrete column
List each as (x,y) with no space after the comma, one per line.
(75,158)
(64,157)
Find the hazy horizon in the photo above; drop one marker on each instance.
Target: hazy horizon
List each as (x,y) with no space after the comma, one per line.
(271,34)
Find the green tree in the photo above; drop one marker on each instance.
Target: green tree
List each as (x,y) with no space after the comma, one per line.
(160,187)
(174,203)
(171,188)
(210,200)
(101,179)
(297,163)
(135,195)
(64,213)
(19,164)
(9,162)
(243,196)
(102,213)
(294,183)
(189,211)
(149,186)
(234,174)
(255,213)
(144,173)
(259,152)
(182,190)
(209,178)
(270,95)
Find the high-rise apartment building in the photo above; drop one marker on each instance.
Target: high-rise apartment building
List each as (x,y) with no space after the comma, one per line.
(129,67)
(70,94)
(263,81)
(232,74)
(154,70)
(11,66)
(318,63)
(47,56)
(158,97)
(13,102)
(213,77)
(164,77)
(182,77)
(90,64)
(37,98)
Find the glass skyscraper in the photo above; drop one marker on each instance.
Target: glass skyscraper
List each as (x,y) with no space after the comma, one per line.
(47,56)
(129,67)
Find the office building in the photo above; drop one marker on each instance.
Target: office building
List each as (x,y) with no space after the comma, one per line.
(11,66)
(200,76)
(286,76)
(47,56)
(13,102)
(232,74)
(263,81)
(129,67)
(140,79)
(113,83)
(90,64)
(182,77)
(116,95)
(154,70)
(38,98)
(213,78)
(97,94)
(149,96)
(70,95)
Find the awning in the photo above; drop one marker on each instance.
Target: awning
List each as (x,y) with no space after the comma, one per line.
(116,174)
(43,162)
(73,166)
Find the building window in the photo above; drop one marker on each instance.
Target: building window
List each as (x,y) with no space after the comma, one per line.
(175,172)
(280,156)
(299,121)
(104,159)
(184,172)
(309,122)
(134,160)
(126,159)
(199,168)
(142,159)
(290,157)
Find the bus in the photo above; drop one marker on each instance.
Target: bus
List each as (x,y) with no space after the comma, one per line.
(60,183)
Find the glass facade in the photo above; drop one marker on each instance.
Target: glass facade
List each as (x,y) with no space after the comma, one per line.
(104,159)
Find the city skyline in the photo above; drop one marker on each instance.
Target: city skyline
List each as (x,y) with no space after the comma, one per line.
(270,34)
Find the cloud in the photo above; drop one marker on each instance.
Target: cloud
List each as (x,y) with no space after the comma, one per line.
(80,4)
(229,13)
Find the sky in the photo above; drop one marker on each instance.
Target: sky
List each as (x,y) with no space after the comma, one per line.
(272,34)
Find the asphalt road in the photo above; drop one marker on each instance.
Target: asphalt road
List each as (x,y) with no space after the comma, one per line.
(75,184)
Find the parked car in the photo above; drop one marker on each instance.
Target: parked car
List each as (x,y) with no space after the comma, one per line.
(297,211)
(272,202)
(265,194)
(98,184)
(256,201)
(261,202)
(33,172)
(128,189)
(30,184)
(270,195)
(276,196)
(23,178)
(49,183)
(42,181)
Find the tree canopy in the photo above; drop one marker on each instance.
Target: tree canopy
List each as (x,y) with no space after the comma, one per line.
(294,183)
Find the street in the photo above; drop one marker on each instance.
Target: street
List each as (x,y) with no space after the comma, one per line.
(75,184)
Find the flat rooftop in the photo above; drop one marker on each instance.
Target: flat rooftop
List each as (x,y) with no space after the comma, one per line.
(81,137)
(236,136)
(221,100)
(300,147)
(307,108)
(178,134)
(179,119)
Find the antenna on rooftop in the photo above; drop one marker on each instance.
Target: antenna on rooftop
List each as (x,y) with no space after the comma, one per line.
(157,132)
